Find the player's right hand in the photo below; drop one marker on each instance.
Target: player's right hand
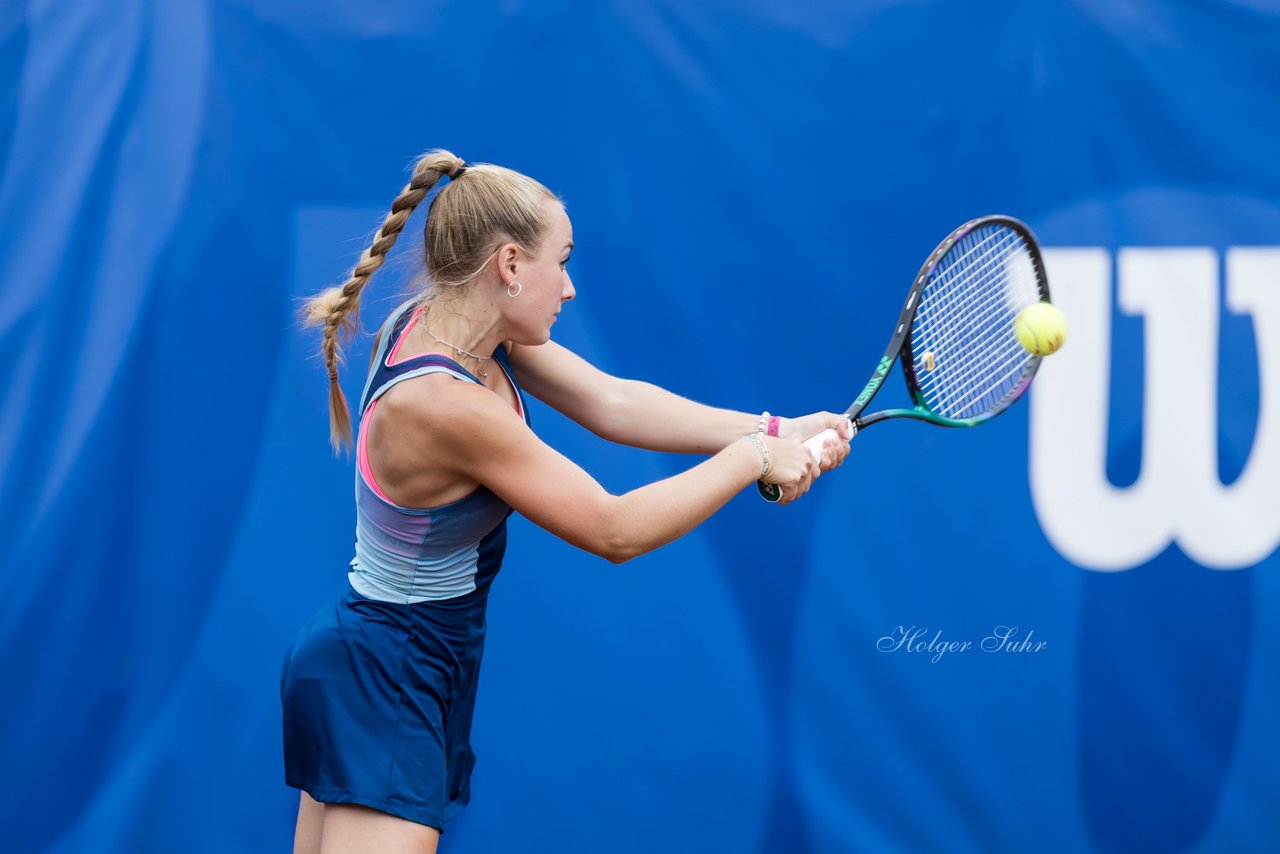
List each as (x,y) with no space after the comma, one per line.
(791,467)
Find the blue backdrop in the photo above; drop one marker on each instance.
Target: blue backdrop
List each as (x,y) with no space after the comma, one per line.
(752,186)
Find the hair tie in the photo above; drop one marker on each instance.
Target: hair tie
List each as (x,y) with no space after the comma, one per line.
(457,173)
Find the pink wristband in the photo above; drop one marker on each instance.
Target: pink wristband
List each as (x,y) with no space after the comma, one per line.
(774,420)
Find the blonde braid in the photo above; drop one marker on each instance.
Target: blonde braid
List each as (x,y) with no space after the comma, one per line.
(337,309)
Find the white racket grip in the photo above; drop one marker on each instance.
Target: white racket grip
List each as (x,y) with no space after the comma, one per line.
(773,493)
(815,443)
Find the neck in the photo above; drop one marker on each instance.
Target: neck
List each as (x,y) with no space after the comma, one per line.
(457,329)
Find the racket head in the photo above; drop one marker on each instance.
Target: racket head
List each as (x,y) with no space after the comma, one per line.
(955,335)
(960,356)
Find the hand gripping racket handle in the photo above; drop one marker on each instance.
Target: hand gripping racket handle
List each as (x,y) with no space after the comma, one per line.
(771,492)
(815,443)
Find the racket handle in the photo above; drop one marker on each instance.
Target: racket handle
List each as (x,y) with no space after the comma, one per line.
(815,443)
(771,492)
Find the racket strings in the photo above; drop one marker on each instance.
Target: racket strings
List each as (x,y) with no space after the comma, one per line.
(966,357)
(941,294)
(973,275)
(977,377)
(977,389)
(980,314)
(985,312)
(980,361)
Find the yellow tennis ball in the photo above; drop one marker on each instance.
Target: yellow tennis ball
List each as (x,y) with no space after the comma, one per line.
(1041,329)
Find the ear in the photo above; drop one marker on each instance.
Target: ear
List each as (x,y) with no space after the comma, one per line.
(509,257)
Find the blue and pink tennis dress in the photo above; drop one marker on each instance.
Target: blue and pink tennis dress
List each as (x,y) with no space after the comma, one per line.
(378,689)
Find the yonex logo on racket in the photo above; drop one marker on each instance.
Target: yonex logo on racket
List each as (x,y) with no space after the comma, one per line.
(874,383)
(1179,496)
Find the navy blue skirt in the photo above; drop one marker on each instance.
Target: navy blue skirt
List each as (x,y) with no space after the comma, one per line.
(378,700)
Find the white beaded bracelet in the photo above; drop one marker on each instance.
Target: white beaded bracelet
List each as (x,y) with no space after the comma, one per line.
(763,424)
(764,453)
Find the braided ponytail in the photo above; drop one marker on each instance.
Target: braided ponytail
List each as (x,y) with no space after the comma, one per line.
(337,309)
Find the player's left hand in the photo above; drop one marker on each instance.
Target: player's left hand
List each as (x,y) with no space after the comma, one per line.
(834,451)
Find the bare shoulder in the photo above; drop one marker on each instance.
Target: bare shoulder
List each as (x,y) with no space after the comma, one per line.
(442,407)
(431,436)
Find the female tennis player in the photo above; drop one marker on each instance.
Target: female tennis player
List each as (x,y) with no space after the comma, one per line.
(378,690)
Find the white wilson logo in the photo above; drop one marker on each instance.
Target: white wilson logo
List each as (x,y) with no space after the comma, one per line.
(1179,496)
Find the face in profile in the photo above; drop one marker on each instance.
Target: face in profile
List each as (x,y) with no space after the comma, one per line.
(545,279)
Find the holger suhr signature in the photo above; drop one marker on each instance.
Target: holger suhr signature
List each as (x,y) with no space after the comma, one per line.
(917,639)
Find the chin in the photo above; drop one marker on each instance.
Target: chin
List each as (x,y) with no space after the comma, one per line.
(533,339)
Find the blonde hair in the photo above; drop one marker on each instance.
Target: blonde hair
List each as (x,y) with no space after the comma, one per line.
(483,207)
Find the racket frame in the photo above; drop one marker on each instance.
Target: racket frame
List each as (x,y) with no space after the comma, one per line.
(900,341)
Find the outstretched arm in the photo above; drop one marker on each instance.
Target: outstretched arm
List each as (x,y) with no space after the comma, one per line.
(470,435)
(643,415)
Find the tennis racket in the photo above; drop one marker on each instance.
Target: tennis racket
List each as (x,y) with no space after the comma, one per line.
(955,338)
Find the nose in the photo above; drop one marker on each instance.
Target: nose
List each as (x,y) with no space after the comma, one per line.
(569,291)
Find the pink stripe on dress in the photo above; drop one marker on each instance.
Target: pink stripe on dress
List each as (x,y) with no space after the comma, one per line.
(362,451)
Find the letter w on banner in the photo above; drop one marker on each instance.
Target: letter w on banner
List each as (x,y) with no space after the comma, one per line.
(1179,495)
